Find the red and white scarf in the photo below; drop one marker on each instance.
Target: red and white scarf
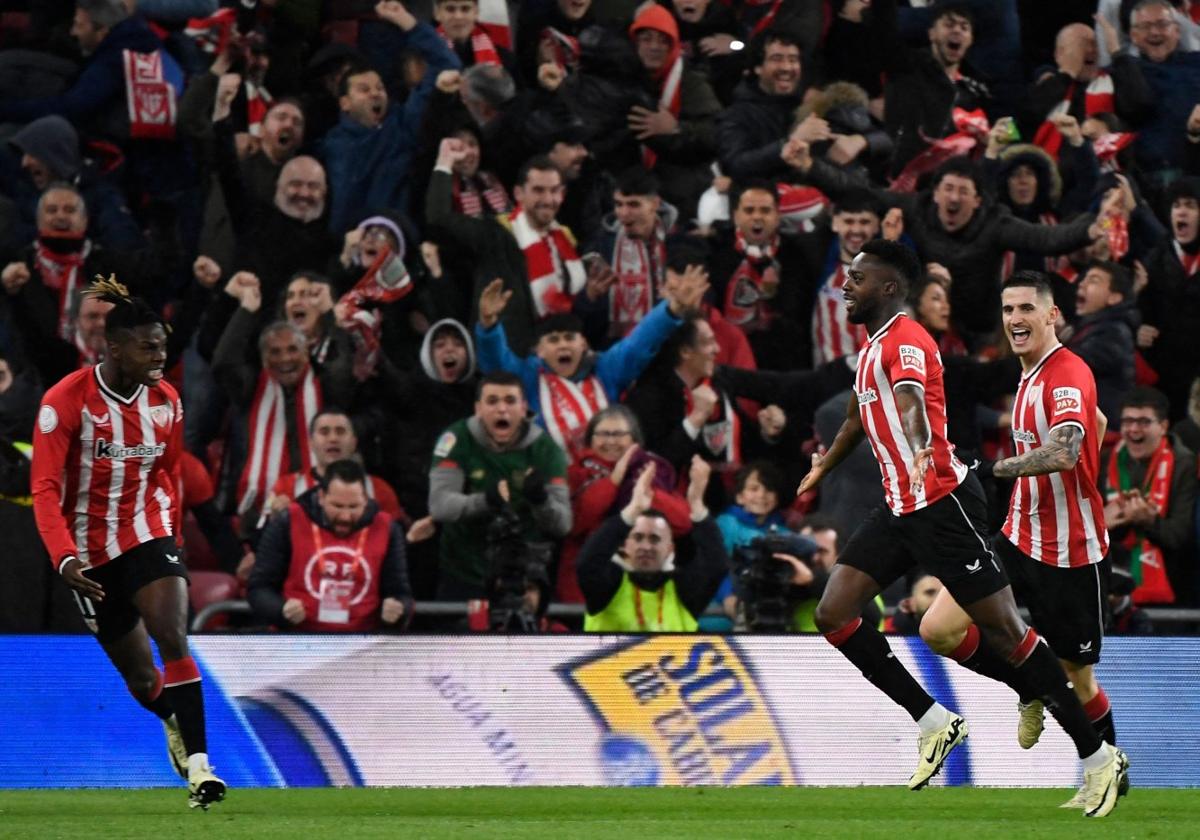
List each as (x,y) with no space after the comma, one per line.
(60,273)
(258,102)
(834,336)
(1098,99)
(555,272)
(1189,262)
(669,97)
(564,48)
(481,45)
(640,267)
(1146,561)
(470,195)
(971,128)
(212,33)
(149,97)
(567,407)
(267,457)
(752,284)
(386,281)
(722,432)
(493,18)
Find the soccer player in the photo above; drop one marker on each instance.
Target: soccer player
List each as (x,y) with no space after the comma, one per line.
(1054,544)
(934,514)
(107,442)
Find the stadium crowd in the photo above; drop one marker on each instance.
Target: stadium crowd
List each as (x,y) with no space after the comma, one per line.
(537,303)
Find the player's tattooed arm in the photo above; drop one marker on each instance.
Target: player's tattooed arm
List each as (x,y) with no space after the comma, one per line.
(1060,453)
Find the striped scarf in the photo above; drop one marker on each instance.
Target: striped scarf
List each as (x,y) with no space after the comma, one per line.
(258,102)
(833,334)
(567,407)
(59,270)
(553,267)
(1146,562)
(640,267)
(149,97)
(752,284)
(669,97)
(481,45)
(268,445)
(470,194)
(564,48)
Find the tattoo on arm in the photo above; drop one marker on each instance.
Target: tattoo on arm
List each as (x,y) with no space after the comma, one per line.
(910,400)
(1060,453)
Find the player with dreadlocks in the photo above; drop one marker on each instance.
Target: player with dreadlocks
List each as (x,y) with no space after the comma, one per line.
(105,449)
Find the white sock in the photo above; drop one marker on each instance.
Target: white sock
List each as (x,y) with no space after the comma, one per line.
(1097,759)
(197,761)
(934,719)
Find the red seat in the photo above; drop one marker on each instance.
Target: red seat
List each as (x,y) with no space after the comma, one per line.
(200,556)
(209,588)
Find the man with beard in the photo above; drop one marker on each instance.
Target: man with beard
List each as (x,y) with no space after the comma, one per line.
(634,245)
(633,576)
(43,288)
(956,224)
(528,249)
(1170,303)
(495,460)
(760,281)
(369,150)
(46,152)
(927,89)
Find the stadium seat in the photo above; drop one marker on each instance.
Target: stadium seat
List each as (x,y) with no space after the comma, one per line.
(208,588)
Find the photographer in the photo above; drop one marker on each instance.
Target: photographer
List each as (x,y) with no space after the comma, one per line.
(631,576)
(492,461)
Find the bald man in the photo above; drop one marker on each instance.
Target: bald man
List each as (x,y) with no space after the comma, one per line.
(1078,85)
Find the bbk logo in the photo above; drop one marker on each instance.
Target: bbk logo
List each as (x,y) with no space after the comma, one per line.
(115,451)
(867,396)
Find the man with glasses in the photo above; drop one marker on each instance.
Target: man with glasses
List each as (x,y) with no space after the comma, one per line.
(1150,492)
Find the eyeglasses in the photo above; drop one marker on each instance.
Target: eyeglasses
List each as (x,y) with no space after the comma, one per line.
(1140,422)
(1154,25)
(613,434)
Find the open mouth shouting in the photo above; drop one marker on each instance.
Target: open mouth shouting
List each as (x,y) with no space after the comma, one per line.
(1020,338)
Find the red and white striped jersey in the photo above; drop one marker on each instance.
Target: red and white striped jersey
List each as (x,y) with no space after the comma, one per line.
(833,334)
(1058,519)
(901,351)
(104,467)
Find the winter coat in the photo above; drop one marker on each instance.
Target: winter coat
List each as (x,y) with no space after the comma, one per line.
(1104,340)
(751,133)
(1171,303)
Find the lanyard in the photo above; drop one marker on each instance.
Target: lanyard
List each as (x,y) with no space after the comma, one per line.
(637,606)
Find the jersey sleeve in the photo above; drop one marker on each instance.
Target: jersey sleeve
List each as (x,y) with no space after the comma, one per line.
(56,429)
(907,361)
(1065,400)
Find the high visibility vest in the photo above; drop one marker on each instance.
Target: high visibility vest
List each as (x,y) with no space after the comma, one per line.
(634,610)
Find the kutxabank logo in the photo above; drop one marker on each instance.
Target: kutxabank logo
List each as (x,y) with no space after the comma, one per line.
(680,710)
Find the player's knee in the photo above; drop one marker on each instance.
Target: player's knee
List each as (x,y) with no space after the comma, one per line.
(142,683)
(829,617)
(940,639)
(1004,637)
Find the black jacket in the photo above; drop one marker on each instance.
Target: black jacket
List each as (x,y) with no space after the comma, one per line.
(1104,340)
(751,133)
(274,559)
(700,565)
(1171,302)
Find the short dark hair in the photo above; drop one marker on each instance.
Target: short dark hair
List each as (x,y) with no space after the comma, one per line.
(1029,278)
(1186,187)
(636,181)
(772,35)
(769,476)
(740,189)
(901,258)
(356,67)
(959,165)
(858,201)
(567,322)
(684,251)
(959,8)
(1145,397)
(821,522)
(503,378)
(346,470)
(330,410)
(1120,279)
(684,336)
(541,163)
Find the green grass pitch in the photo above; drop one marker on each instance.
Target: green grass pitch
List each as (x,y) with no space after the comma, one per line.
(627,814)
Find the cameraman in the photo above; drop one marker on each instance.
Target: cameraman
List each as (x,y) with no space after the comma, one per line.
(631,578)
(496,460)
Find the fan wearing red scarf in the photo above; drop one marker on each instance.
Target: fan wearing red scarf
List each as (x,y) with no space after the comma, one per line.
(472,41)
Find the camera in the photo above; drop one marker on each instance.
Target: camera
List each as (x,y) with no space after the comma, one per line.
(764,581)
(513,567)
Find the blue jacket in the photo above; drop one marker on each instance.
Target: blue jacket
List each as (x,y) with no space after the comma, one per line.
(1174,87)
(616,367)
(368,167)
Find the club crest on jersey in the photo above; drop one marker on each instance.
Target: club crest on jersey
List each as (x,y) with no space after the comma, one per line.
(1067,400)
(912,358)
(444,445)
(867,396)
(106,450)
(161,415)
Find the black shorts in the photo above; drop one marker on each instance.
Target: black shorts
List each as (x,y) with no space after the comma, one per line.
(121,578)
(1066,606)
(948,539)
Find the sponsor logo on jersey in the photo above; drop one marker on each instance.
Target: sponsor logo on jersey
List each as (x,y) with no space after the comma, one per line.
(1022,436)
(444,445)
(116,452)
(912,357)
(681,710)
(1067,400)
(867,396)
(47,419)
(97,419)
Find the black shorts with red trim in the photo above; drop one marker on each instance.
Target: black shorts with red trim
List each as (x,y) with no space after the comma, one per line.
(947,539)
(121,578)
(1067,607)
